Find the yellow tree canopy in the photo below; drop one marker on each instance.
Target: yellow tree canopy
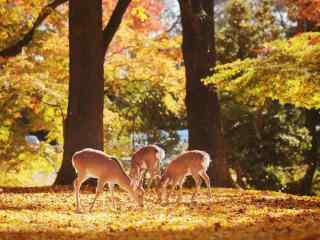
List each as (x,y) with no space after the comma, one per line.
(286,70)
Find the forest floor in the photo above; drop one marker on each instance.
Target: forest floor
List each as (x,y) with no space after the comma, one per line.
(49,213)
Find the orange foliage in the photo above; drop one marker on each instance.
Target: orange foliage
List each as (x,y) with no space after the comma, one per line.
(142,15)
(306,10)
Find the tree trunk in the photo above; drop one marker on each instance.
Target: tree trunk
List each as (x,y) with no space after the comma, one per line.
(84,121)
(312,119)
(203,109)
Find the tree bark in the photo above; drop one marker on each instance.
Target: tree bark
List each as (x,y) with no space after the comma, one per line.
(88,45)
(84,122)
(312,157)
(312,120)
(203,108)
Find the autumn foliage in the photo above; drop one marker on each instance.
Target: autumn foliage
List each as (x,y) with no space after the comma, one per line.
(306,10)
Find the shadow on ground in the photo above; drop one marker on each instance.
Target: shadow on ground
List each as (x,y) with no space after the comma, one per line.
(232,214)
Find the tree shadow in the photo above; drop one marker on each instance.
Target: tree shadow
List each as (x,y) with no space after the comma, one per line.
(47,189)
(284,202)
(300,222)
(286,227)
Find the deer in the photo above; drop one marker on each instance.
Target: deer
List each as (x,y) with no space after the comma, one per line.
(194,163)
(148,159)
(96,164)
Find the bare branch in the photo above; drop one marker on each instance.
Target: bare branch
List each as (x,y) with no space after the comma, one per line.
(114,23)
(16,48)
(108,32)
(8,101)
(56,106)
(174,24)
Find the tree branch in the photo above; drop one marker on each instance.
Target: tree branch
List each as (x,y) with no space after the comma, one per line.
(108,32)
(56,106)
(16,48)
(114,23)
(5,104)
(174,24)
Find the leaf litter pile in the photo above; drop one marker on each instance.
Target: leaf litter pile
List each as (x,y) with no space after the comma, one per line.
(49,213)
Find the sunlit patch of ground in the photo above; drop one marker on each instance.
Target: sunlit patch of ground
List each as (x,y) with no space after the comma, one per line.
(232,214)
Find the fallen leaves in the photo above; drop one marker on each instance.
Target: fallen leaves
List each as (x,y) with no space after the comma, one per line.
(49,213)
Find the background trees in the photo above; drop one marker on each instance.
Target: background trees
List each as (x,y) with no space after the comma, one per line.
(267,142)
(287,72)
(32,99)
(45,73)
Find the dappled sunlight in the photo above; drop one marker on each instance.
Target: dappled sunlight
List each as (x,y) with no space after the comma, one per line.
(232,213)
(145,93)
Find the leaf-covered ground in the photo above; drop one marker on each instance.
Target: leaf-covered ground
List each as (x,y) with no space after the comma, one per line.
(232,214)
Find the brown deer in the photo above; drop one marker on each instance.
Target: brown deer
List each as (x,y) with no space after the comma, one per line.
(148,159)
(94,163)
(194,163)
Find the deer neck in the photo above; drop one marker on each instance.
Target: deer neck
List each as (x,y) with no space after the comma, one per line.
(125,184)
(124,181)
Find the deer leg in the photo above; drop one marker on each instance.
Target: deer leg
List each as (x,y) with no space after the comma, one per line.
(206,179)
(180,190)
(167,191)
(162,190)
(141,178)
(150,180)
(157,178)
(111,187)
(173,187)
(197,181)
(99,189)
(157,182)
(154,177)
(77,185)
(154,174)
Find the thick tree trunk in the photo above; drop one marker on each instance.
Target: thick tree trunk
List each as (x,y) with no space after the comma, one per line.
(312,119)
(84,122)
(203,109)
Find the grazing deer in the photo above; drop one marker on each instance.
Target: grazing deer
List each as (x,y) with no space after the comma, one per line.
(94,163)
(147,158)
(194,163)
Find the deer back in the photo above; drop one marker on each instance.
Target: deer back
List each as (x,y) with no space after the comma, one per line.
(148,157)
(188,162)
(97,164)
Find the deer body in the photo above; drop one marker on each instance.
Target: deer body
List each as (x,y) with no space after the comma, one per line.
(147,158)
(94,163)
(194,163)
